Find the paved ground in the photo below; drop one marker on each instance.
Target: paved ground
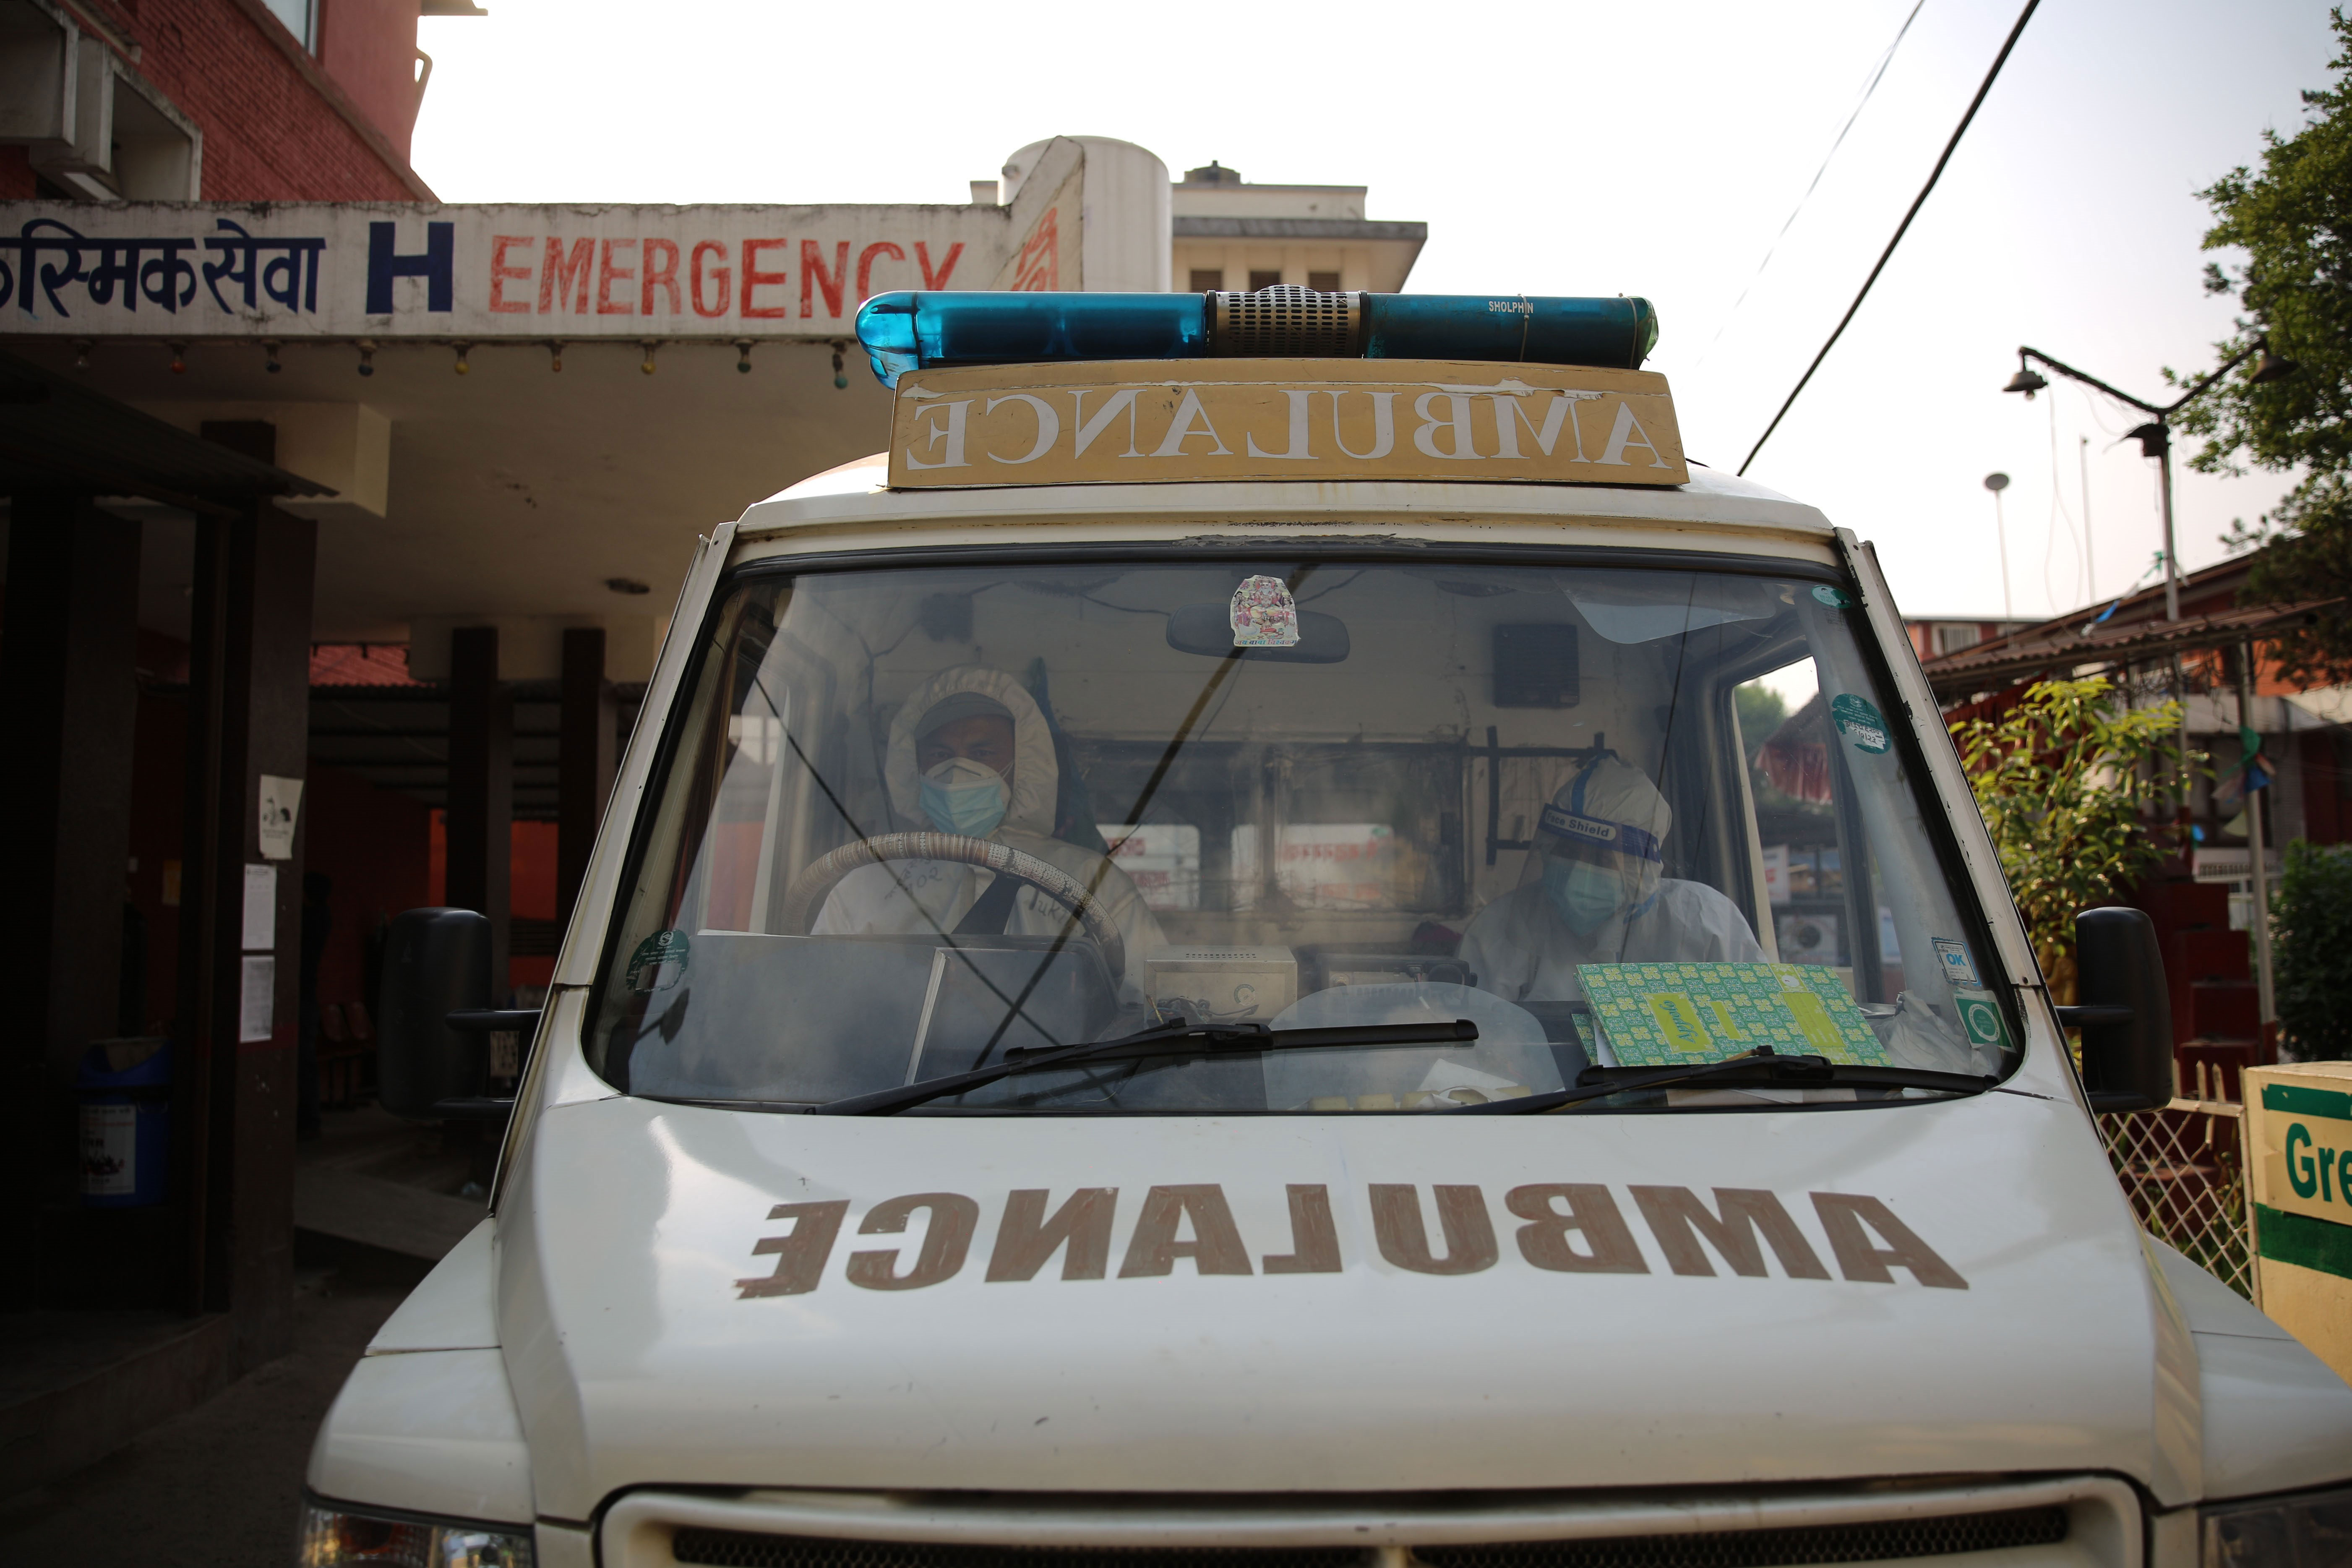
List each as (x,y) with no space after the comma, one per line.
(218,1487)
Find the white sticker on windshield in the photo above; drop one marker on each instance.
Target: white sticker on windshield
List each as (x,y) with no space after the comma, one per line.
(1954,957)
(1263,613)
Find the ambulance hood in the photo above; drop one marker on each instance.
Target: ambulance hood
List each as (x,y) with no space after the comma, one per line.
(661,1325)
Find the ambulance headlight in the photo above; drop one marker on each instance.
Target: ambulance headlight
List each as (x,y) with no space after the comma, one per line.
(2301,1532)
(331,1538)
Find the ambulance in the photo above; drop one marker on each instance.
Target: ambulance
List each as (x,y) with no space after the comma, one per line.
(1284,938)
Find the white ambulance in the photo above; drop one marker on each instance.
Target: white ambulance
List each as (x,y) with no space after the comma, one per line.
(1283,940)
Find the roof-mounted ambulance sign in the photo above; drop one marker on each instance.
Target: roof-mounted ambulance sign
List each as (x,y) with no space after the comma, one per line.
(1150,421)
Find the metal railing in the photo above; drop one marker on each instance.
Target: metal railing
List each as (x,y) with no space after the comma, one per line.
(2184,1169)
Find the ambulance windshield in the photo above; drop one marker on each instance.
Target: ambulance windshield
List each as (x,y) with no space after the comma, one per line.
(911,819)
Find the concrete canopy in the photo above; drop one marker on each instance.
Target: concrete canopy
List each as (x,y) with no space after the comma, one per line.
(513,494)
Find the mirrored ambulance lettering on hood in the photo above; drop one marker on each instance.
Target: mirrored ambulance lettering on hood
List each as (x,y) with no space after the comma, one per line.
(1562,1227)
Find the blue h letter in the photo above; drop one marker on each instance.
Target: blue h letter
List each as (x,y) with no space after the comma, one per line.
(437,266)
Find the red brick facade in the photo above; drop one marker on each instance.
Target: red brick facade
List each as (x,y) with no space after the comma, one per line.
(277,124)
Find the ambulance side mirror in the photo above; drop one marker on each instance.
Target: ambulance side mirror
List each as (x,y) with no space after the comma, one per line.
(435,962)
(2126,1012)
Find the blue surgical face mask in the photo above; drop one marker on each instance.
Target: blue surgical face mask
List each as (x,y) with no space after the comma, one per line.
(961,796)
(1585,896)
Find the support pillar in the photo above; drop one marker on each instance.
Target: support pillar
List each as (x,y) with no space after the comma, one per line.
(248,714)
(70,665)
(584,763)
(481,790)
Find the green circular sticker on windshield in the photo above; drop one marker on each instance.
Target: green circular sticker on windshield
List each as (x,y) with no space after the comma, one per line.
(659,963)
(1858,722)
(1834,597)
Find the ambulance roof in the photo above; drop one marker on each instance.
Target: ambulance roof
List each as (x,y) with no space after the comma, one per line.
(859,493)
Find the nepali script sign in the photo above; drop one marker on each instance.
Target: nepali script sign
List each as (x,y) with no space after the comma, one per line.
(188,270)
(1148,421)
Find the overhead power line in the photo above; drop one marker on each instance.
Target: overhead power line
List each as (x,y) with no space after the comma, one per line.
(1900,229)
(1869,86)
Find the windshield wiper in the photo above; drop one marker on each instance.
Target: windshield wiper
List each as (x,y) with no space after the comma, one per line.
(1794,1071)
(1175,1038)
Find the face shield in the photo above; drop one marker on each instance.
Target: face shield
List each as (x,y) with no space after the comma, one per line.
(1599,846)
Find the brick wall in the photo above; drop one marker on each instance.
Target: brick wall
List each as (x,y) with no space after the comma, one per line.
(16,175)
(269,112)
(369,47)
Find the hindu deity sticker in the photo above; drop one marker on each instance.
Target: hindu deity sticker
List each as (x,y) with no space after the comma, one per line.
(1263,613)
(1860,722)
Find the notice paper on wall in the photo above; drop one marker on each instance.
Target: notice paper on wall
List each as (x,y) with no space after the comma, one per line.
(256,1001)
(260,908)
(281,801)
(1667,1014)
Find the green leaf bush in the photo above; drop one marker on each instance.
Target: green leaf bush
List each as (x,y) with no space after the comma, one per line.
(2311,933)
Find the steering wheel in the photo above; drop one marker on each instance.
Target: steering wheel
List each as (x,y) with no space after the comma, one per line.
(809,890)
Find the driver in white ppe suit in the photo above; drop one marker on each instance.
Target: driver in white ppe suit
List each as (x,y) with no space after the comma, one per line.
(970,752)
(1594,894)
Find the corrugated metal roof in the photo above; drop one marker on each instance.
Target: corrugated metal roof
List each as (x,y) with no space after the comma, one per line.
(2064,647)
(58,436)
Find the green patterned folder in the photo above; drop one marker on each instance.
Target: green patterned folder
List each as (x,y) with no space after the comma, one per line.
(1670,1015)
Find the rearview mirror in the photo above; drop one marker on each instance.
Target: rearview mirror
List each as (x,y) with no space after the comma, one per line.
(435,962)
(1208,630)
(2126,1011)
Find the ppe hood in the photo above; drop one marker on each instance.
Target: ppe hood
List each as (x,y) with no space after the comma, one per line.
(1329,1303)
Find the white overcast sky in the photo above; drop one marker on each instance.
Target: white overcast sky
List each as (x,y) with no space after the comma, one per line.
(1562,148)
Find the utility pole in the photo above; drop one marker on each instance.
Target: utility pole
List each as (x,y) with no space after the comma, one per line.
(2090,559)
(1997,483)
(2259,869)
(2155,439)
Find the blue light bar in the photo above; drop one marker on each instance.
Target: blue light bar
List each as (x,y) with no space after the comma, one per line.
(1536,330)
(925,331)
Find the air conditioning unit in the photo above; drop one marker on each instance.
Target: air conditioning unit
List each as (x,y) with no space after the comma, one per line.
(87,121)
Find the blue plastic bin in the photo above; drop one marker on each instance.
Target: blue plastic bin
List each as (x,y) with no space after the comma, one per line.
(125,1090)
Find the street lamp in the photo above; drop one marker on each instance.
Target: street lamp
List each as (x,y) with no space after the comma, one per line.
(2155,437)
(1997,483)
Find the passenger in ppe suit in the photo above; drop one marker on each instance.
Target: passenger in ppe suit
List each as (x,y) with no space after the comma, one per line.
(970,752)
(1594,895)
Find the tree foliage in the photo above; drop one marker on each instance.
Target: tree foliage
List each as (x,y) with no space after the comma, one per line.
(2063,779)
(2293,222)
(2312,927)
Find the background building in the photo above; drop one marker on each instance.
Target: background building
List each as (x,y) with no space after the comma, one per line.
(342,528)
(1231,234)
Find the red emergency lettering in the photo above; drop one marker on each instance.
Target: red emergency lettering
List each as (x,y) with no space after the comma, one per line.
(607,275)
(812,272)
(557,275)
(865,266)
(500,272)
(753,278)
(661,272)
(938,279)
(723,276)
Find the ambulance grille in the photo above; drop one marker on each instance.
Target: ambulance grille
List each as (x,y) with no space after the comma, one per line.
(1286,322)
(1875,1541)
(739,1549)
